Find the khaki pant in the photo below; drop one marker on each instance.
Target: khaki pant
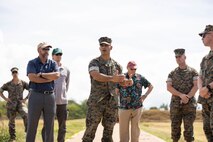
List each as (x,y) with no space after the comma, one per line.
(126,116)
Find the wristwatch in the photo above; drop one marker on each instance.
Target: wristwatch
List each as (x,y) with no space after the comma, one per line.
(209,87)
(40,74)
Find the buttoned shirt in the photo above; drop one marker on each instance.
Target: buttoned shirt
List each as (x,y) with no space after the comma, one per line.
(130,95)
(15,91)
(206,74)
(36,66)
(183,81)
(101,90)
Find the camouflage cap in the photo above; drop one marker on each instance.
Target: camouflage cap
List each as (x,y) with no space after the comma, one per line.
(105,40)
(207,29)
(179,51)
(14,69)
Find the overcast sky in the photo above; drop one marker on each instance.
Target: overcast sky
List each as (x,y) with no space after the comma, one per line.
(146,31)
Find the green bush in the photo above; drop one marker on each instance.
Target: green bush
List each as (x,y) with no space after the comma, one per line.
(76,111)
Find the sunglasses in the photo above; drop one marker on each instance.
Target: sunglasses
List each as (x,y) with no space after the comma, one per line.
(59,54)
(133,69)
(204,35)
(177,56)
(46,49)
(104,45)
(14,72)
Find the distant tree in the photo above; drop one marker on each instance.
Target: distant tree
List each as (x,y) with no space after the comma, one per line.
(164,106)
(72,102)
(76,111)
(84,106)
(151,108)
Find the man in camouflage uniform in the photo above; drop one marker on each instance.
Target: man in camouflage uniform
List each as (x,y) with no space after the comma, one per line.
(102,105)
(182,84)
(205,83)
(15,101)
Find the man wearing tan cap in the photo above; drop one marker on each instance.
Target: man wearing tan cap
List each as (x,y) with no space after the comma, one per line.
(15,101)
(205,83)
(41,72)
(131,102)
(61,98)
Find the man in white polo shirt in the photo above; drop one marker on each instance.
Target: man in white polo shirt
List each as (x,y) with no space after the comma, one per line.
(61,88)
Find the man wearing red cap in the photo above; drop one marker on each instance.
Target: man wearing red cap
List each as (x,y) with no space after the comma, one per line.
(131,102)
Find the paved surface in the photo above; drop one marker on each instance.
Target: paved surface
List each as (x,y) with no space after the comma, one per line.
(144,137)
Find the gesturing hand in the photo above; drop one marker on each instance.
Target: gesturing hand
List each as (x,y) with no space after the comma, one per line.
(118,77)
(129,82)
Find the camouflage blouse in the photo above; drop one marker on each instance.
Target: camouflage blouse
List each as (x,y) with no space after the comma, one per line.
(101,90)
(206,74)
(15,91)
(182,80)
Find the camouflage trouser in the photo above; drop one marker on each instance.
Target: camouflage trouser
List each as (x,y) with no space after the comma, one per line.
(11,114)
(187,113)
(105,110)
(207,113)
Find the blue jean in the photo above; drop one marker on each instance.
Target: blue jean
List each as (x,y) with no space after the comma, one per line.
(37,104)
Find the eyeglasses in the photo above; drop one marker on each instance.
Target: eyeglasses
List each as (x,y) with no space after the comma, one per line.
(46,49)
(133,69)
(204,35)
(59,54)
(14,72)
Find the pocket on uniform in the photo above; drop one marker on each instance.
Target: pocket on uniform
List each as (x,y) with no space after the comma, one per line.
(11,105)
(193,103)
(175,103)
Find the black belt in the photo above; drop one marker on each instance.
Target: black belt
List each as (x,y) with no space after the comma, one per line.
(43,92)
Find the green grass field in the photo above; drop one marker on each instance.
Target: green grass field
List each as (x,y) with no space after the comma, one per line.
(159,129)
(163,130)
(73,126)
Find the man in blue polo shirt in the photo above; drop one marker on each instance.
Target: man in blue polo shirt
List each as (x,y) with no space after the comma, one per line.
(41,72)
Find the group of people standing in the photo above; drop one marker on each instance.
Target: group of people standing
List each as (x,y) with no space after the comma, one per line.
(183,82)
(114,96)
(49,82)
(107,83)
